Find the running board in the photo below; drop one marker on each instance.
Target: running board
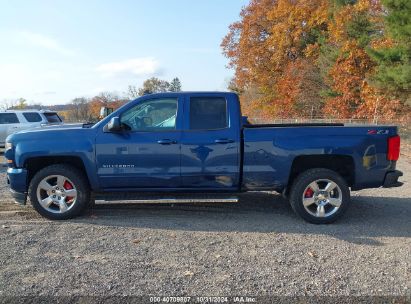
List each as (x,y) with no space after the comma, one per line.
(166,200)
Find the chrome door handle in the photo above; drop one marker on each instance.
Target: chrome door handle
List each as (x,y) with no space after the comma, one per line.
(223,141)
(166,142)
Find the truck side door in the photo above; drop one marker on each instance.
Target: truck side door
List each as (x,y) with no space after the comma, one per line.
(147,154)
(210,142)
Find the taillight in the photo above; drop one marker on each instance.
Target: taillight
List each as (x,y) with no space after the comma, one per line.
(393,148)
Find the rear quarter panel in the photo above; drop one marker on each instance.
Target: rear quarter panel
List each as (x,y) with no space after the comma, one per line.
(269,152)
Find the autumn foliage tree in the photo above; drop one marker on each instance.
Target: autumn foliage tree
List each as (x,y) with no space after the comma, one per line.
(155,85)
(105,99)
(307,58)
(271,38)
(84,109)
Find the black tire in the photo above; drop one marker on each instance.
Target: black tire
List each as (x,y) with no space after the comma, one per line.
(75,176)
(304,180)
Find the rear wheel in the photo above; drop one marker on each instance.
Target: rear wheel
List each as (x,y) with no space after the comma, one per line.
(59,192)
(320,196)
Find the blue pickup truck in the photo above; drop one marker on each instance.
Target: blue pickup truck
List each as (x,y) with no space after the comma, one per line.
(197,144)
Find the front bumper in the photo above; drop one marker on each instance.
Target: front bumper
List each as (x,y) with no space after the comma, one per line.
(17,179)
(391,179)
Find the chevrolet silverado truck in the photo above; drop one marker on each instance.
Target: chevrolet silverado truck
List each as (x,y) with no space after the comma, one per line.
(191,146)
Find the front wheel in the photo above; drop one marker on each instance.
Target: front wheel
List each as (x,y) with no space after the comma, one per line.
(320,196)
(59,192)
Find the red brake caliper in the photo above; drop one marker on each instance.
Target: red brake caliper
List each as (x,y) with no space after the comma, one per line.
(308,193)
(68,186)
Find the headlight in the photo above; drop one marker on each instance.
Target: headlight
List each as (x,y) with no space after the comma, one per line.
(8,154)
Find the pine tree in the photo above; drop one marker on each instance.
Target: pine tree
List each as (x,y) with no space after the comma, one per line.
(154,85)
(394,63)
(175,85)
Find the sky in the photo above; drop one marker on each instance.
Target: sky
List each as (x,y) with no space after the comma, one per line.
(52,51)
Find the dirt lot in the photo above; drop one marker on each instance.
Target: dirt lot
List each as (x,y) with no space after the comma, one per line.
(256,247)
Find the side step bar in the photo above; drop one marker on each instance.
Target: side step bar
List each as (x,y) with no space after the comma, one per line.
(169,200)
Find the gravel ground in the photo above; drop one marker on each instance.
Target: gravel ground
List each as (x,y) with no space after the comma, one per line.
(256,247)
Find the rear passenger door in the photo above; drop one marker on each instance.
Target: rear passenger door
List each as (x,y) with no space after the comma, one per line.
(210,144)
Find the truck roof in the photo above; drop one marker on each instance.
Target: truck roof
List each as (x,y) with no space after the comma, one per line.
(192,93)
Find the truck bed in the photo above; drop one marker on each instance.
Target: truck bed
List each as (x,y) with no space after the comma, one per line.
(271,150)
(291,125)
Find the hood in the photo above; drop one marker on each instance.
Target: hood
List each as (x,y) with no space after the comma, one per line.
(62,132)
(53,128)
(63,125)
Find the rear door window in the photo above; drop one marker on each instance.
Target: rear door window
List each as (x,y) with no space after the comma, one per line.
(32,116)
(208,113)
(8,118)
(52,117)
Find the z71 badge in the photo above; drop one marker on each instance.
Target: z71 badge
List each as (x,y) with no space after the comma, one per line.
(377,132)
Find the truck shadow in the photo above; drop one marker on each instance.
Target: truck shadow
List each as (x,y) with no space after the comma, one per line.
(367,218)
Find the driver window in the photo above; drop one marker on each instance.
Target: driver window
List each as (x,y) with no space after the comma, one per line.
(152,115)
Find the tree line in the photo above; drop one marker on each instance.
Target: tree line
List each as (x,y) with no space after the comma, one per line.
(83,109)
(322,58)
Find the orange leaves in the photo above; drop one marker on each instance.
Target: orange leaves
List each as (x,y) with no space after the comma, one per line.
(291,23)
(265,48)
(288,89)
(382,43)
(376,105)
(104,100)
(343,16)
(353,65)
(94,107)
(297,94)
(246,43)
(269,36)
(347,77)
(312,50)
(306,58)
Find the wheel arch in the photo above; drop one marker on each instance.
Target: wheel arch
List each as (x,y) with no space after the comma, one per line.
(34,164)
(342,164)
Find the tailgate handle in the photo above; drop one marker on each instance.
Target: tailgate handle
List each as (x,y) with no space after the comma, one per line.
(166,142)
(223,141)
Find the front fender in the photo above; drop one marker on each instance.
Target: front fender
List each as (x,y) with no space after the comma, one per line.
(71,143)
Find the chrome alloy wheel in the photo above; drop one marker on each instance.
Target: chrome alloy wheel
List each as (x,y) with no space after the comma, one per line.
(56,194)
(322,198)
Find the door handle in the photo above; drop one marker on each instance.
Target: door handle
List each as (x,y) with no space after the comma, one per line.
(223,141)
(166,142)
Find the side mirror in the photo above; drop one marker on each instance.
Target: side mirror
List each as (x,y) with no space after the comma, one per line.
(114,125)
